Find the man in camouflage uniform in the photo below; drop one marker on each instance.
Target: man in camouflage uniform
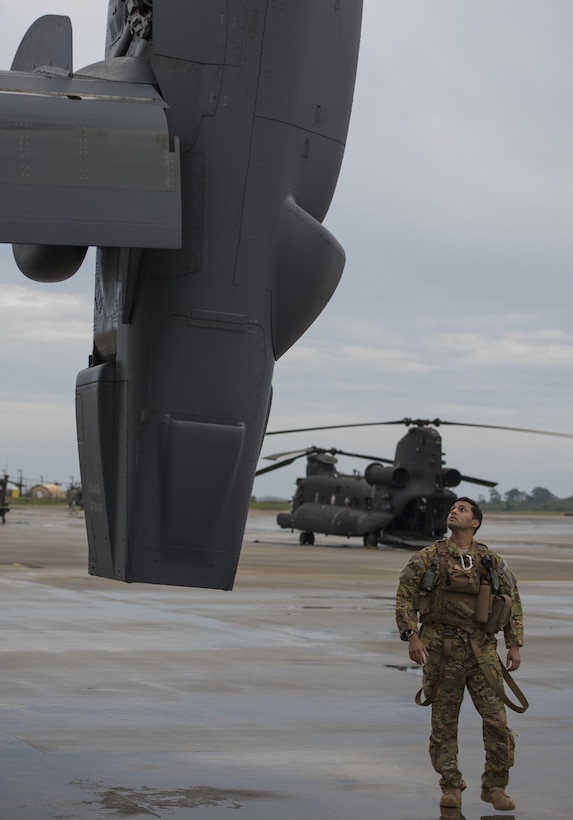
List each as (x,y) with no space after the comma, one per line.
(445,646)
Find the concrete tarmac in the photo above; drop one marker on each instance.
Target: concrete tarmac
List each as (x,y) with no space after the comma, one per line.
(291,696)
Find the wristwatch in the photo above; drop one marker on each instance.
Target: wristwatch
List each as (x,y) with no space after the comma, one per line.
(408,633)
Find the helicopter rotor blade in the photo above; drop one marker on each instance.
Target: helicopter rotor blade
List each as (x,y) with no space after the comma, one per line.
(501,427)
(367,458)
(335,427)
(421,423)
(310,451)
(306,452)
(481,481)
(272,467)
(294,455)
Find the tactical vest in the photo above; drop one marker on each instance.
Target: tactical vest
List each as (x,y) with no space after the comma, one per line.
(463,591)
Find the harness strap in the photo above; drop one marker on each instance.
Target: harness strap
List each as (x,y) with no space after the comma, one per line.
(431,697)
(446,652)
(499,690)
(487,672)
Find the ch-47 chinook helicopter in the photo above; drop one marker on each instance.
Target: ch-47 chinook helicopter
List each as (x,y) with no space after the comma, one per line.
(404,504)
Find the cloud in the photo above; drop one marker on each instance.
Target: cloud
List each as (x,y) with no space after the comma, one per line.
(460,127)
(546,348)
(462,344)
(45,338)
(31,316)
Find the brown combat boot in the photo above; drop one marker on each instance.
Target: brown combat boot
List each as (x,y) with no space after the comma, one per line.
(498,798)
(452,799)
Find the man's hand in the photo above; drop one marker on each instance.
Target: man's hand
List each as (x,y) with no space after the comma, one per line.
(513,659)
(417,651)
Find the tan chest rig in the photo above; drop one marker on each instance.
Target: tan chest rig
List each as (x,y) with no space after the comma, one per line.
(463,591)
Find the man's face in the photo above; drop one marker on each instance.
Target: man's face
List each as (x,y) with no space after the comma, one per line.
(461,517)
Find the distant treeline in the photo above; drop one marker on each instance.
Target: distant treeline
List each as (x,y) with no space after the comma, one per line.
(539,499)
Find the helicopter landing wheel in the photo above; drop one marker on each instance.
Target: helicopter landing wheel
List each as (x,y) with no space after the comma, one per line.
(370,539)
(306,538)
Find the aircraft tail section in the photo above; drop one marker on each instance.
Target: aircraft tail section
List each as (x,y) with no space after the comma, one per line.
(166,478)
(100,422)
(46,44)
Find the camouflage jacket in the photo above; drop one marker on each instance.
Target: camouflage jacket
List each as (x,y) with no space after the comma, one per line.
(407,596)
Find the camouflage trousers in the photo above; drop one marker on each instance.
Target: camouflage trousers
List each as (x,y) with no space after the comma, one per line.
(447,683)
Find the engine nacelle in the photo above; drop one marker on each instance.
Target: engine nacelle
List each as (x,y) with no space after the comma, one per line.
(451,477)
(49,263)
(379,476)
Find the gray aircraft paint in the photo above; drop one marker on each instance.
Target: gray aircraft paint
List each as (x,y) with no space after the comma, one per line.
(201,162)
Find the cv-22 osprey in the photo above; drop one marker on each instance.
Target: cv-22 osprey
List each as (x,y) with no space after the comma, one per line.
(200,158)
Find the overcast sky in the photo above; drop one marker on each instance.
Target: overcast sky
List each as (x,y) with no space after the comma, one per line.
(454,206)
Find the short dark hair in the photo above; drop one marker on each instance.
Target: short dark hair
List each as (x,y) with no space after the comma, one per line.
(476,509)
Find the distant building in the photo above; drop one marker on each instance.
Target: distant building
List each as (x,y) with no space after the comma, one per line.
(51,491)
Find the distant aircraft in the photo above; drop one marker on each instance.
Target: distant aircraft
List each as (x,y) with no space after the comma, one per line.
(404,504)
(200,157)
(4,505)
